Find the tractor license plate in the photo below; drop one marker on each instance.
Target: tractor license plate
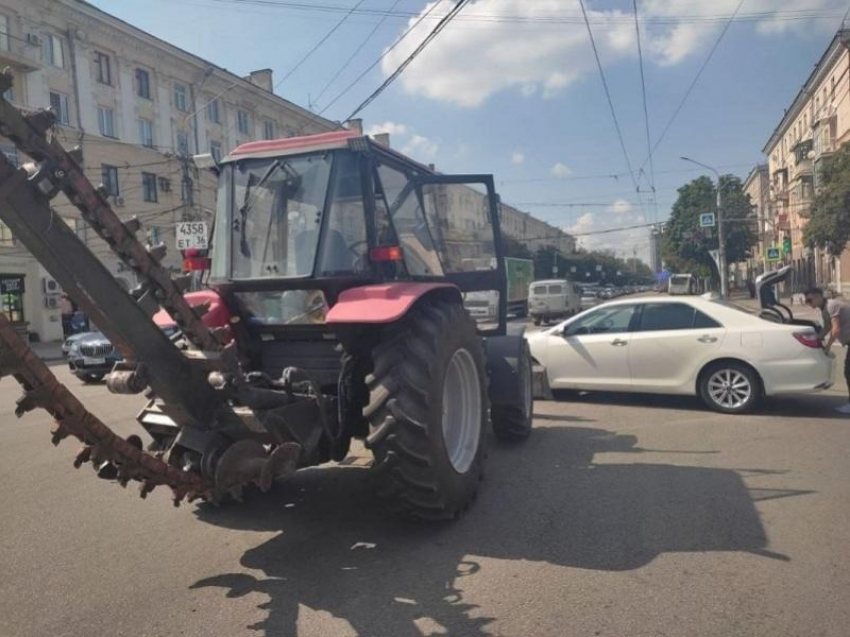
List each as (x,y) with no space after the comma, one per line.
(91,362)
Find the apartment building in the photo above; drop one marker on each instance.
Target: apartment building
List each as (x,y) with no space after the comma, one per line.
(534,233)
(813,127)
(138,107)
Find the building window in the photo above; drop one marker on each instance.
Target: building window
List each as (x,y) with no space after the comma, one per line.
(7,239)
(12,297)
(182,143)
(9,94)
(268,129)
(109,179)
(180,101)
(59,104)
(146,132)
(54,51)
(103,70)
(106,121)
(4,32)
(243,122)
(215,150)
(154,241)
(149,187)
(143,84)
(213,114)
(81,229)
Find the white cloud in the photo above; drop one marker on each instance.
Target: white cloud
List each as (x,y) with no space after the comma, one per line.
(421,147)
(548,50)
(561,170)
(620,207)
(517,158)
(393,128)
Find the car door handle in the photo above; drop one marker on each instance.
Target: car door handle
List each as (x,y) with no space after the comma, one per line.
(618,342)
(707,339)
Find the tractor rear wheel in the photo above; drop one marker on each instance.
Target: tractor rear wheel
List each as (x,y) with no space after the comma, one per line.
(428,412)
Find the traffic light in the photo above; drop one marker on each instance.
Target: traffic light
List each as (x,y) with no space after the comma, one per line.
(786,245)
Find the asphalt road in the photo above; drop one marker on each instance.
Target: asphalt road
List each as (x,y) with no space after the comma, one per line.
(621,516)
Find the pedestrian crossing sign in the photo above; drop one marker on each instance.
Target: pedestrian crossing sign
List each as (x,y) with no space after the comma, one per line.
(773,254)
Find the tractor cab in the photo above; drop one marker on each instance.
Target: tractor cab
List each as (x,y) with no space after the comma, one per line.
(302,220)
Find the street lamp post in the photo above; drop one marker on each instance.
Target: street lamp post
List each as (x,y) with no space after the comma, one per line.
(721,231)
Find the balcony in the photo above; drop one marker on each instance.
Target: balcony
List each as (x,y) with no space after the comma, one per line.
(19,61)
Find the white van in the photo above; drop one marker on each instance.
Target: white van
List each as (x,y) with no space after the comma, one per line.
(551,300)
(681,284)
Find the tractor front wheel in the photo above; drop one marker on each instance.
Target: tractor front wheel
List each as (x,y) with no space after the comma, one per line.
(428,412)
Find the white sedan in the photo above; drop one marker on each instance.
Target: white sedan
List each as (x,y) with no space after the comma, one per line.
(725,355)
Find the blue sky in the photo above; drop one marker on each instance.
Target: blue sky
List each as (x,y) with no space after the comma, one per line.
(512,88)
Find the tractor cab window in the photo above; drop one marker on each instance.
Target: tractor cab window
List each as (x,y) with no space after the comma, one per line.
(408,220)
(344,247)
(277,214)
(459,218)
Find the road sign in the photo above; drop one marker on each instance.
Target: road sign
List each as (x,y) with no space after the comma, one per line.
(555,270)
(773,254)
(573,269)
(587,274)
(707,220)
(191,235)
(599,268)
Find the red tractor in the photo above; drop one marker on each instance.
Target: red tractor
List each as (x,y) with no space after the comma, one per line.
(334,311)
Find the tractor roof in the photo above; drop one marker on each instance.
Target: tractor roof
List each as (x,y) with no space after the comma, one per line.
(335,140)
(292,145)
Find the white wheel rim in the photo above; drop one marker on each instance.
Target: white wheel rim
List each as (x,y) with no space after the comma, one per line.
(461,410)
(730,388)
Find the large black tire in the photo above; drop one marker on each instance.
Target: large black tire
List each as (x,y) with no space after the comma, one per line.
(91,379)
(536,319)
(744,392)
(405,412)
(513,423)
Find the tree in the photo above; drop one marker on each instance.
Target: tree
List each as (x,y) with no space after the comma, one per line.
(829,225)
(686,247)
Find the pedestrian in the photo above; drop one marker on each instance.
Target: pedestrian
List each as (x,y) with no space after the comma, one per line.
(836,316)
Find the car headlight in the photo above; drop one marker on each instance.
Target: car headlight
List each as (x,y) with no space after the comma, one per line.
(74,346)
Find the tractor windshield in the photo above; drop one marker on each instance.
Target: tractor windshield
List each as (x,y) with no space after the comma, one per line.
(274,209)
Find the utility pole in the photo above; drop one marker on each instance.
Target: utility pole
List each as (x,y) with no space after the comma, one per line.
(721,231)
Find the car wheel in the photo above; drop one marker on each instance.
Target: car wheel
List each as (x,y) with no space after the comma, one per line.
(730,388)
(92,378)
(536,320)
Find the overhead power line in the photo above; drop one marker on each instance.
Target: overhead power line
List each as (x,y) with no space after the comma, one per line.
(351,58)
(442,24)
(694,82)
(645,113)
(319,44)
(608,97)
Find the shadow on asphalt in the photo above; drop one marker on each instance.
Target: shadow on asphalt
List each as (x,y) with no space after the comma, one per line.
(545,502)
(803,406)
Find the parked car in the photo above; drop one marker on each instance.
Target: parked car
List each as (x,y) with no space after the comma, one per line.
(91,357)
(66,344)
(681,284)
(687,345)
(552,300)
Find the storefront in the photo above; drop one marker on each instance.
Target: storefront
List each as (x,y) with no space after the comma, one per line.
(12,290)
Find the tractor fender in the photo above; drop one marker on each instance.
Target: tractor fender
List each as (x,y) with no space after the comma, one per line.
(503,355)
(218,314)
(383,303)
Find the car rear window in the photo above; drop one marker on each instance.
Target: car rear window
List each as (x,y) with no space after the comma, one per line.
(539,289)
(556,289)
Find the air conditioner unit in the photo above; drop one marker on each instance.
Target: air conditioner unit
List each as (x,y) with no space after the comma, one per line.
(33,39)
(50,286)
(164,184)
(51,302)
(117,201)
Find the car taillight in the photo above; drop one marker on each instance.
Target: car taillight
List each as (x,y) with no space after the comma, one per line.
(808,339)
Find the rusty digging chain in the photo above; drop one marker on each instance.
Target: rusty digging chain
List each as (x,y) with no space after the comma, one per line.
(122,459)
(29,134)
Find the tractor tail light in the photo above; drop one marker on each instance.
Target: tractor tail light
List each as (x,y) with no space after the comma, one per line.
(195,264)
(386,253)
